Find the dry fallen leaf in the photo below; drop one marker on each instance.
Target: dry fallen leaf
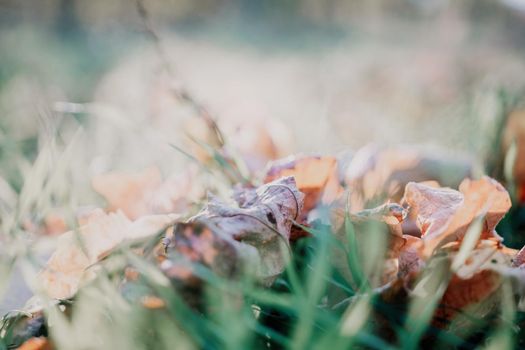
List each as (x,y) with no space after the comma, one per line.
(444,215)
(145,193)
(316,177)
(232,239)
(478,264)
(432,207)
(253,236)
(128,192)
(77,250)
(477,279)
(472,292)
(485,196)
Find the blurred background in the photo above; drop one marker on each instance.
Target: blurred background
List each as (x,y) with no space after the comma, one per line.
(88,87)
(340,74)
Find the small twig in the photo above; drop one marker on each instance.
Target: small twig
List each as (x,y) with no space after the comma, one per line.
(179,92)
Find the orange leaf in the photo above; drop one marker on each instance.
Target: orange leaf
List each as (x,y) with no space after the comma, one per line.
(477,279)
(315,176)
(36,343)
(144,193)
(68,266)
(444,215)
(128,192)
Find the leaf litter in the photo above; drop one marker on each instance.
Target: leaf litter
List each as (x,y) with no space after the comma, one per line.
(433,236)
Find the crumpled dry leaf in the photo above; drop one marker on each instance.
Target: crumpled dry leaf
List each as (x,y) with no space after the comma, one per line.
(410,226)
(477,279)
(197,243)
(376,172)
(432,207)
(472,292)
(444,215)
(145,193)
(226,238)
(316,177)
(76,251)
(487,195)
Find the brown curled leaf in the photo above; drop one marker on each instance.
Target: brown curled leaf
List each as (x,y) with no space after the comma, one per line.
(476,281)
(472,287)
(315,176)
(487,195)
(146,193)
(432,207)
(76,251)
(231,239)
(195,242)
(444,215)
